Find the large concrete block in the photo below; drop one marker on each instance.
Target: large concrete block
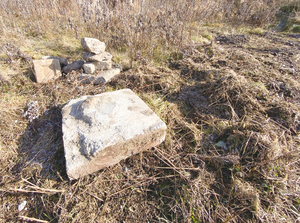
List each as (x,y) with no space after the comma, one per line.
(101,130)
(102,77)
(46,70)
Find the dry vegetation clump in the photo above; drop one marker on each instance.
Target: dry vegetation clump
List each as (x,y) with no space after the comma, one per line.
(230,100)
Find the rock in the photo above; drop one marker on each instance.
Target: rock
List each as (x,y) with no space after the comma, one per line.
(97,57)
(103,65)
(22,206)
(75,65)
(46,70)
(93,45)
(63,62)
(103,77)
(101,130)
(89,67)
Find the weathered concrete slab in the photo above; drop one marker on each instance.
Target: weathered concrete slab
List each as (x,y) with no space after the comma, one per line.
(96,57)
(101,130)
(93,45)
(102,77)
(46,70)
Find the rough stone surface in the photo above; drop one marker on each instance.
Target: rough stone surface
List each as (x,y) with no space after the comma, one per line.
(103,76)
(103,65)
(63,62)
(101,130)
(96,57)
(75,65)
(93,45)
(46,70)
(89,67)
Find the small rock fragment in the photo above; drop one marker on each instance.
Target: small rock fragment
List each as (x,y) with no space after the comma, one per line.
(76,65)
(89,68)
(22,206)
(93,45)
(46,70)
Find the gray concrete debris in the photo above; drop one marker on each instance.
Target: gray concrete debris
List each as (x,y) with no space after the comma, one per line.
(96,57)
(101,130)
(93,45)
(102,77)
(63,62)
(89,67)
(75,65)
(46,70)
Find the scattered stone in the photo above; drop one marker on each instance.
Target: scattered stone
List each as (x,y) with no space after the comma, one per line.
(89,67)
(46,70)
(63,62)
(96,57)
(101,130)
(75,65)
(288,70)
(22,206)
(103,77)
(103,65)
(93,45)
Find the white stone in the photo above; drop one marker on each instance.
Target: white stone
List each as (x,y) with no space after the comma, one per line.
(101,130)
(46,70)
(102,77)
(103,65)
(89,67)
(93,45)
(96,57)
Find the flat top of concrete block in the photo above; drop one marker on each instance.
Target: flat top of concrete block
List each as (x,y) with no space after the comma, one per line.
(93,123)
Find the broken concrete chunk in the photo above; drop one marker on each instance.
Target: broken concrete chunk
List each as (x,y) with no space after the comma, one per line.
(63,62)
(89,67)
(75,65)
(93,45)
(46,70)
(97,57)
(103,76)
(101,130)
(103,65)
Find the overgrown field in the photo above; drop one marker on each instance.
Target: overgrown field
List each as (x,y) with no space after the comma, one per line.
(219,73)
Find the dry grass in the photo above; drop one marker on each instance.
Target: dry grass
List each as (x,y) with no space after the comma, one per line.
(232,109)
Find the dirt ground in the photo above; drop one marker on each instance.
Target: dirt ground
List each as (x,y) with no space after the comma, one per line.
(231,153)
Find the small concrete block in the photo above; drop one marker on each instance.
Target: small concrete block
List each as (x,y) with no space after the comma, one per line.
(75,65)
(103,65)
(97,57)
(46,70)
(93,45)
(89,67)
(102,77)
(101,130)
